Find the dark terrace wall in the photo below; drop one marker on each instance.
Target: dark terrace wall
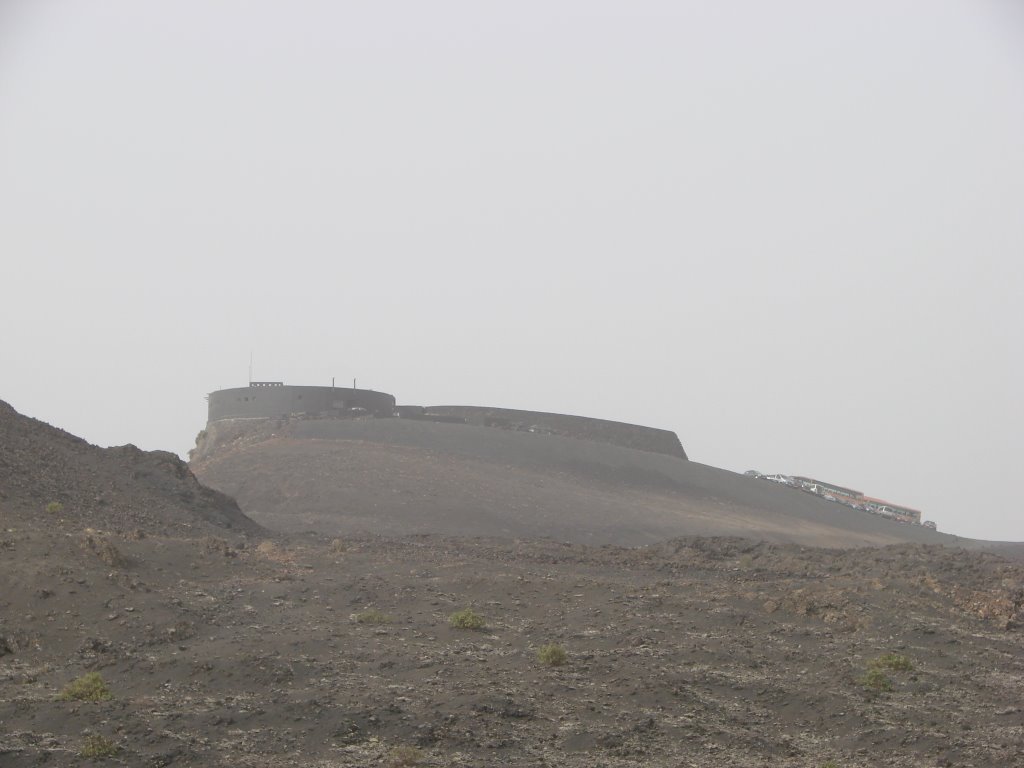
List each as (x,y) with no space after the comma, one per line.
(581,427)
(274,401)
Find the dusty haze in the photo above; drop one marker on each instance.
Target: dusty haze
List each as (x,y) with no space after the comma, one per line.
(790,232)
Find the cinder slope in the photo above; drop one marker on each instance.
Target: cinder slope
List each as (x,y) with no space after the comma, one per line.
(121,488)
(394,476)
(697,652)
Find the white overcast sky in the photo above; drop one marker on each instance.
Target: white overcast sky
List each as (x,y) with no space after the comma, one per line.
(793,232)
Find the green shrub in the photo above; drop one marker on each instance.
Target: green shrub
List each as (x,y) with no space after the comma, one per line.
(467,619)
(54,507)
(372,616)
(894,661)
(876,680)
(552,655)
(89,687)
(99,746)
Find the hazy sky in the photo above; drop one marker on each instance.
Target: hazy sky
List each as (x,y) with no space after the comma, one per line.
(793,232)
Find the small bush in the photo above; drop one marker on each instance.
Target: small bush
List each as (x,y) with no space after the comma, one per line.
(405,757)
(338,546)
(876,680)
(894,661)
(106,551)
(275,553)
(467,619)
(217,546)
(268,548)
(89,687)
(552,655)
(99,746)
(372,616)
(54,507)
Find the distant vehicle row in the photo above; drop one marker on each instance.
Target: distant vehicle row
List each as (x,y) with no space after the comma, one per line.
(847,497)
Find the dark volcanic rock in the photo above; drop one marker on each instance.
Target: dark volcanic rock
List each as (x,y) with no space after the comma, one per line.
(48,472)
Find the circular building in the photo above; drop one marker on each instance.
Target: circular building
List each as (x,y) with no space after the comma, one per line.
(273,399)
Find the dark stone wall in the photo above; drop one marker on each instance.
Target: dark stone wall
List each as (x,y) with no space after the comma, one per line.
(327,402)
(271,402)
(580,427)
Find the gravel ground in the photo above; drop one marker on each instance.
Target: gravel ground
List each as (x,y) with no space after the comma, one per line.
(700,652)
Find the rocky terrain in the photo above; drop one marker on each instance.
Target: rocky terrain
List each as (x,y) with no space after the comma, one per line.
(59,477)
(168,638)
(696,652)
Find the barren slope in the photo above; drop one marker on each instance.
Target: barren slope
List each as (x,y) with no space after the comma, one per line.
(700,653)
(52,476)
(398,476)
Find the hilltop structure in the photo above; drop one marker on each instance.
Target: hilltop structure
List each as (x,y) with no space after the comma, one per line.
(276,400)
(272,399)
(341,461)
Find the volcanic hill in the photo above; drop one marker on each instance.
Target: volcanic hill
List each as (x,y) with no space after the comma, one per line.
(401,476)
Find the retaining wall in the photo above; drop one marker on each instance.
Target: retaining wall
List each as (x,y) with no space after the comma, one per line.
(581,427)
(274,400)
